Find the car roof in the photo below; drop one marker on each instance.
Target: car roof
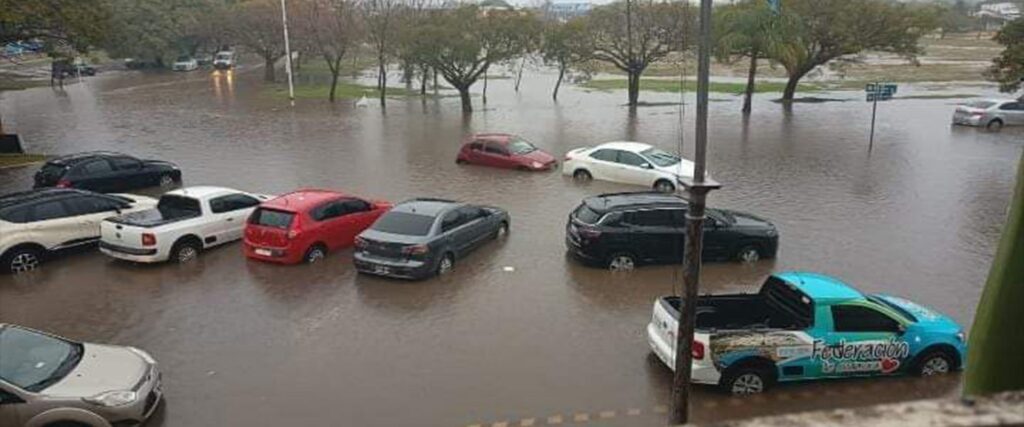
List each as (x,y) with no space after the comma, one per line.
(821,288)
(615,201)
(635,147)
(202,191)
(426,206)
(71,159)
(22,197)
(302,199)
(492,136)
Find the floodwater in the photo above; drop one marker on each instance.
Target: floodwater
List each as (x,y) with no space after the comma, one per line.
(244,343)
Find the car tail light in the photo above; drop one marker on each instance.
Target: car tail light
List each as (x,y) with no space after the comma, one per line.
(415,249)
(63,183)
(697,350)
(293,233)
(148,239)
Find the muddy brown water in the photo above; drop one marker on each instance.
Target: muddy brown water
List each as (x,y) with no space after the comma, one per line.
(244,343)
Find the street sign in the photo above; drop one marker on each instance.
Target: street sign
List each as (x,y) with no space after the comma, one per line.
(877,92)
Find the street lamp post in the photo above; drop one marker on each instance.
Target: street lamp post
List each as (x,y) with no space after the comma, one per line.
(698,188)
(287,54)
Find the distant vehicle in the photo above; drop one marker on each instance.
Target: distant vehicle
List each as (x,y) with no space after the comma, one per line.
(502,150)
(106,171)
(38,224)
(424,237)
(138,64)
(992,114)
(628,163)
(303,226)
(184,223)
(623,230)
(804,326)
(204,60)
(49,381)
(224,60)
(185,63)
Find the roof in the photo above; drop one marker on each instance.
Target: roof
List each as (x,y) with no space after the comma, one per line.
(302,199)
(425,206)
(499,137)
(635,147)
(202,192)
(612,201)
(14,199)
(78,157)
(821,288)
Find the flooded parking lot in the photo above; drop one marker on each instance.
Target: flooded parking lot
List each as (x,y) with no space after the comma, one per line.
(518,331)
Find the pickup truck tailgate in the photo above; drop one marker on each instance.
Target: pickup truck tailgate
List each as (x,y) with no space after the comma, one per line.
(122,235)
(661,335)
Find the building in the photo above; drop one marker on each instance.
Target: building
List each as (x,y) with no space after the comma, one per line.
(995,15)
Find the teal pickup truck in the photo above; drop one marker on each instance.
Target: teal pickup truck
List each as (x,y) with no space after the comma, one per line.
(803,326)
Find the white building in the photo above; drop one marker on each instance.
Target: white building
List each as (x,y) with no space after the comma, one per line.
(995,15)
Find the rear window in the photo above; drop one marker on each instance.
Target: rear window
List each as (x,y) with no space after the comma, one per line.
(981,104)
(272,218)
(175,206)
(586,215)
(53,170)
(404,223)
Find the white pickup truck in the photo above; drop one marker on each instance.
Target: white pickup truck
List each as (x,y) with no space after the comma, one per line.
(184,223)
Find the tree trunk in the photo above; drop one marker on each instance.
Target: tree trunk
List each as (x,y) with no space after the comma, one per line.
(383,78)
(435,79)
(268,69)
(748,94)
(561,75)
(335,72)
(790,90)
(519,76)
(485,87)
(634,88)
(467,102)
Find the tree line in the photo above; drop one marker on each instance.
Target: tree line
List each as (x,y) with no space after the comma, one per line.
(427,39)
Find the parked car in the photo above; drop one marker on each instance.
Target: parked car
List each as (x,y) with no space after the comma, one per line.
(303,226)
(224,60)
(628,163)
(804,326)
(185,63)
(622,230)
(992,114)
(502,150)
(184,223)
(38,224)
(105,172)
(46,380)
(76,67)
(425,237)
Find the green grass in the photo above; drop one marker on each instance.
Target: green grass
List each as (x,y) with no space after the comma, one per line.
(19,84)
(664,85)
(11,160)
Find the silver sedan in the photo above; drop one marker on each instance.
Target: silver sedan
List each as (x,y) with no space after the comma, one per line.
(992,114)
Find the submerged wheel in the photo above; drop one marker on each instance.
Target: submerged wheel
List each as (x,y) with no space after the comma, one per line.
(185,251)
(22,260)
(936,362)
(315,254)
(166,180)
(664,186)
(582,175)
(744,381)
(748,254)
(446,264)
(502,231)
(622,262)
(994,125)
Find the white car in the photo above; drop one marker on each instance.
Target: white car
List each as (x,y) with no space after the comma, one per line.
(185,63)
(629,163)
(184,223)
(39,223)
(992,114)
(224,60)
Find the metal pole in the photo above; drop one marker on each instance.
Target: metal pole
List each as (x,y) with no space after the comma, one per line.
(287,54)
(874,109)
(697,188)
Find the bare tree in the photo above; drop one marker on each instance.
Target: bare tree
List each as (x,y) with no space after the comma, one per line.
(257,26)
(329,29)
(379,19)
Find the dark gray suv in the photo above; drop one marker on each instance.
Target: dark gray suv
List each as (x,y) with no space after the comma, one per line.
(423,237)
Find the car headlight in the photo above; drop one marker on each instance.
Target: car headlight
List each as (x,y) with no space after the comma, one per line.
(142,354)
(537,165)
(113,398)
(961,336)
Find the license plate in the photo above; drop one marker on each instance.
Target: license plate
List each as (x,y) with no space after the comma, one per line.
(263,252)
(380,269)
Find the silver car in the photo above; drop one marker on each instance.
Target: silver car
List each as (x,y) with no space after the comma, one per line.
(990,113)
(47,381)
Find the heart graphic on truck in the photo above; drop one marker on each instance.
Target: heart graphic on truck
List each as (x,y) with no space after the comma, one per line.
(890,365)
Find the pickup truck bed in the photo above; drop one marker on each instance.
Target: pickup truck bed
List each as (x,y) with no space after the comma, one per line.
(154,217)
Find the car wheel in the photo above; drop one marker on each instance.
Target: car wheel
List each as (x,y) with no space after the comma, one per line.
(582,175)
(664,186)
(502,231)
(622,262)
(460,161)
(166,181)
(315,254)
(748,254)
(994,125)
(22,260)
(185,251)
(933,363)
(744,381)
(446,264)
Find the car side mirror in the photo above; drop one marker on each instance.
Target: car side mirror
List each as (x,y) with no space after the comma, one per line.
(646,165)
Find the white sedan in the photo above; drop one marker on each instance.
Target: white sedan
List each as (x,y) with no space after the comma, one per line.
(629,163)
(185,63)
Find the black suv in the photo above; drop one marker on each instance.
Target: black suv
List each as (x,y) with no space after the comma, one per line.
(625,229)
(423,237)
(106,172)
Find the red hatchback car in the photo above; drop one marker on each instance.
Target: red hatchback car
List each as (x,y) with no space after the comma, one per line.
(303,226)
(502,150)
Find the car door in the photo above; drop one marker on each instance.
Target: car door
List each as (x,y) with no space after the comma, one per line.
(89,211)
(11,406)
(96,175)
(863,341)
(633,169)
(476,152)
(655,235)
(1014,112)
(497,155)
(357,215)
(476,223)
(718,239)
(229,213)
(53,226)
(459,238)
(131,174)
(603,164)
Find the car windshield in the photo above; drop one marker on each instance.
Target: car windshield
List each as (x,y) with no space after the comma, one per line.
(223,56)
(981,104)
(586,215)
(404,223)
(520,146)
(33,361)
(272,218)
(659,157)
(906,314)
(184,59)
(171,206)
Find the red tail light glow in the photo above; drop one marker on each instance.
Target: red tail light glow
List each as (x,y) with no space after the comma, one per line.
(697,350)
(415,249)
(64,183)
(589,233)
(148,239)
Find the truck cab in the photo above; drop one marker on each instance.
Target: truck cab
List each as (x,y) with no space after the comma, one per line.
(803,326)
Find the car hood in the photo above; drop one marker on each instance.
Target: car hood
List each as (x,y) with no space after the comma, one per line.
(683,169)
(102,368)
(926,317)
(539,156)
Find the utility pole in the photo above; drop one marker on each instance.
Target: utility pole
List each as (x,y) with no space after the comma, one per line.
(287,54)
(698,188)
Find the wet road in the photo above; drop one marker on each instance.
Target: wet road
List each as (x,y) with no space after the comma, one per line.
(242,343)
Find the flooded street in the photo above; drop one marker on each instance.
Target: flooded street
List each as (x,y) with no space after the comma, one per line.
(251,344)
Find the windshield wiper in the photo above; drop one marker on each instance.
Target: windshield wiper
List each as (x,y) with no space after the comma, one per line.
(62,370)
